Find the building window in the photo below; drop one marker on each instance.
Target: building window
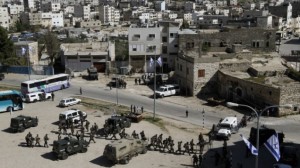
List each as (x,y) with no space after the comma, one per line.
(257,44)
(270,93)
(151,35)
(201,73)
(189,45)
(136,37)
(164,39)
(253,44)
(176,46)
(180,67)
(267,44)
(165,49)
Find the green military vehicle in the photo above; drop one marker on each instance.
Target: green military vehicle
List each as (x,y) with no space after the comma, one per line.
(114,125)
(20,123)
(92,73)
(67,146)
(121,151)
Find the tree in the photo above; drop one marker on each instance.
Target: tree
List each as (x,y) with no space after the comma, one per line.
(52,46)
(6,45)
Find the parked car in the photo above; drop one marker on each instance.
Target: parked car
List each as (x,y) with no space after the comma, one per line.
(69,102)
(20,123)
(36,96)
(167,90)
(73,115)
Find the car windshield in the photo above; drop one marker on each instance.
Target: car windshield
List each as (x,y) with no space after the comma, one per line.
(62,101)
(62,117)
(161,89)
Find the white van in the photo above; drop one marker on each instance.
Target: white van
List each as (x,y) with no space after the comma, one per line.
(167,90)
(227,127)
(72,114)
(36,96)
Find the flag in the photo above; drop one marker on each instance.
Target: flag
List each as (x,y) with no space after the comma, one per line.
(151,62)
(23,51)
(250,146)
(272,145)
(159,61)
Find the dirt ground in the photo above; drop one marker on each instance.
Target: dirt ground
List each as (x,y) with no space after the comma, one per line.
(16,154)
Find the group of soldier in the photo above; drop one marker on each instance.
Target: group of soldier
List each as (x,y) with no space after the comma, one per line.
(84,126)
(135,109)
(30,140)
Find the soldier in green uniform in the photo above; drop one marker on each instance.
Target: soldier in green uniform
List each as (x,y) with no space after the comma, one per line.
(46,141)
(179,147)
(37,140)
(192,145)
(87,125)
(92,138)
(195,160)
(186,148)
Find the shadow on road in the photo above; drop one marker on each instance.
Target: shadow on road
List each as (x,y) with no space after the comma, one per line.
(293,41)
(49,156)
(102,161)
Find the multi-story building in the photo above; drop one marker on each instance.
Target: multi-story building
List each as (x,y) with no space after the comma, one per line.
(89,24)
(53,6)
(109,15)
(29,5)
(4,17)
(284,11)
(57,19)
(160,5)
(29,51)
(189,6)
(169,35)
(144,45)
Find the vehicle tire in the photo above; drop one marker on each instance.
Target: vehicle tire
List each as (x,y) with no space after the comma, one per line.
(36,124)
(9,109)
(162,96)
(34,101)
(69,149)
(83,150)
(62,87)
(22,129)
(144,150)
(64,156)
(126,160)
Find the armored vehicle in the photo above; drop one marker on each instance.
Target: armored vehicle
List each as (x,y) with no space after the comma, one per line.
(264,134)
(121,151)
(92,73)
(114,125)
(67,146)
(20,123)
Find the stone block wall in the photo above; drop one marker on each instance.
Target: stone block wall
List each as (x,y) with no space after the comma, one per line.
(290,95)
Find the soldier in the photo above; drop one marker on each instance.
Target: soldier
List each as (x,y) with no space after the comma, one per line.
(65,130)
(82,130)
(171,143)
(72,129)
(46,141)
(186,114)
(28,138)
(143,137)
(179,147)
(81,136)
(192,145)
(135,135)
(52,96)
(80,90)
(200,138)
(159,141)
(195,160)
(217,157)
(186,148)
(31,141)
(92,138)
(139,81)
(122,134)
(114,135)
(87,125)
(135,81)
(37,140)
(165,144)
(95,127)
(142,109)
(77,135)
(200,159)
(153,140)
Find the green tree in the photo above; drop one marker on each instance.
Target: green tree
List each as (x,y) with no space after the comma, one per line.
(121,50)
(6,45)
(52,46)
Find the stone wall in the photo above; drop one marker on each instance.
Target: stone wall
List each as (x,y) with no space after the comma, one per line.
(290,95)
(235,66)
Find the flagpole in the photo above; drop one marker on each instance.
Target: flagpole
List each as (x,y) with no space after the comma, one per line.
(154,95)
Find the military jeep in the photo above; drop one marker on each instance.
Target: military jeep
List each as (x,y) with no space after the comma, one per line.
(114,125)
(67,146)
(121,151)
(20,123)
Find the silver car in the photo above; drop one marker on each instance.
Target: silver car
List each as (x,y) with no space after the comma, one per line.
(69,102)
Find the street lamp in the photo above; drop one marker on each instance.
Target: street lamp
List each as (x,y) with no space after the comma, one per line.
(258,114)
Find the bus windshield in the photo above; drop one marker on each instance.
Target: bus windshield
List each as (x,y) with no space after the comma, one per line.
(10,100)
(48,84)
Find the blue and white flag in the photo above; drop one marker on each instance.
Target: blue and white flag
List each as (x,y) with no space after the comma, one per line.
(159,61)
(250,146)
(272,145)
(23,51)
(151,62)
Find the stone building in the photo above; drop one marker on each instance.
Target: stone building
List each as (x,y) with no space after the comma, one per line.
(259,83)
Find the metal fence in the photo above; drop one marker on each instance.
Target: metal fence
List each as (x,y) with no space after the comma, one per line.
(34,70)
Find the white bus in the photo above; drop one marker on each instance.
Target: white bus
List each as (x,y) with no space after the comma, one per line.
(48,84)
